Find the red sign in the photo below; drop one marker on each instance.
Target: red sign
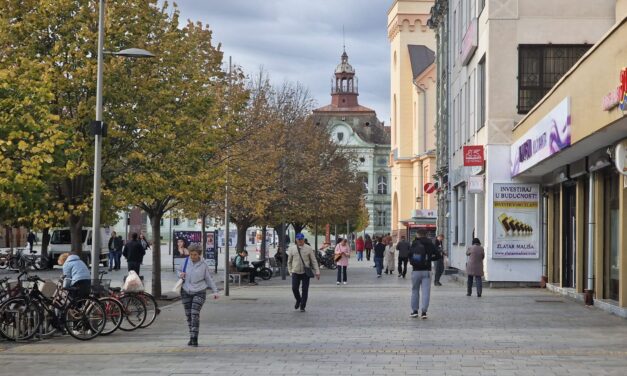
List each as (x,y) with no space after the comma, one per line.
(623,85)
(429,187)
(473,155)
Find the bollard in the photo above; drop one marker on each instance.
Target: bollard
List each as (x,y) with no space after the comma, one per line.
(588,297)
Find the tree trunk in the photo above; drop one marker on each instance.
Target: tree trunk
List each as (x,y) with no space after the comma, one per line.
(263,242)
(241,236)
(45,241)
(155,222)
(75,222)
(298,227)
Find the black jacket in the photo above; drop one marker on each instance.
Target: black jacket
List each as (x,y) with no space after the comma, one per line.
(133,251)
(118,244)
(403,249)
(379,250)
(429,249)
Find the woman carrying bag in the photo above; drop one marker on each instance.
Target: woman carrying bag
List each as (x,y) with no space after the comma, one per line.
(197,279)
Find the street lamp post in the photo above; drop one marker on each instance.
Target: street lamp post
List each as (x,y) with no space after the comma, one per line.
(99,131)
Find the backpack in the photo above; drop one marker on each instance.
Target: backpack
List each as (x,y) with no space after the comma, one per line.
(418,256)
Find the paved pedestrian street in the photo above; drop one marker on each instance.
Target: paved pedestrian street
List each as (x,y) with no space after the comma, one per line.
(362,328)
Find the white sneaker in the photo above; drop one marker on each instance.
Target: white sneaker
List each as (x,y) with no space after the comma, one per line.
(345,282)
(338,283)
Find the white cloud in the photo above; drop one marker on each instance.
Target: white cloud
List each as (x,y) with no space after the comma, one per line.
(301,40)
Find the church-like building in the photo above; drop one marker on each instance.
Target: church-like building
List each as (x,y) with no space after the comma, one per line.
(358,129)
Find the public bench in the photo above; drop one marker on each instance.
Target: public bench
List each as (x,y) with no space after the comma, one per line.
(235,275)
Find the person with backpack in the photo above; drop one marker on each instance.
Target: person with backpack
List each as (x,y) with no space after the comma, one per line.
(421,254)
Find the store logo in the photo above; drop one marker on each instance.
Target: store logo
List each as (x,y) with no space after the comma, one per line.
(623,89)
(473,155)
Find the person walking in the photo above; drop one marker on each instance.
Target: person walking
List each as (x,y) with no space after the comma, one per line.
(421,254)
(359,248)
(111,247)
(145,243)
(368,246)
(134,253)
(301,256)
(30,239)
(439,263)
(197,279)
(403,256)
(390,253)
(379,252)
(344,252)
(118,244)
(474,266)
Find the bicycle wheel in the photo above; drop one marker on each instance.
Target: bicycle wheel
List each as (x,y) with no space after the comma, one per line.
(4,262)
(19,319)
(152,308)
(50,323)
(40,263)
(85,319)
(134,312)
(114,312)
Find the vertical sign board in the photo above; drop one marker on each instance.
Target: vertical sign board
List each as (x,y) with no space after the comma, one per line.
(516,221)
(182,241)
(211,254)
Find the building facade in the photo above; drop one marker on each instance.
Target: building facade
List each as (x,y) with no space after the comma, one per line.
(358,129)
(413,116)
(502,57)
(581,169)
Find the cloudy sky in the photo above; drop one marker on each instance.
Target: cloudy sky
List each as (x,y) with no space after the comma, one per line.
(301,40)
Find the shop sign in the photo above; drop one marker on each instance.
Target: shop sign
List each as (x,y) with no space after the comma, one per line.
(475,184)
(425,213)
(473,155)
(623,85)
(620,157)
(549,136)
(469,42)
(516,221)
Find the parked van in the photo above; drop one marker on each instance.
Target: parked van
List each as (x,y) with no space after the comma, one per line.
(60,242)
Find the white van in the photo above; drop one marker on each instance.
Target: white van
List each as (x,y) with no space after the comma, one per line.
(60,242)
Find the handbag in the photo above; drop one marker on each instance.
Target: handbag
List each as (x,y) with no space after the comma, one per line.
(179,284)
(308,272)
(337,257)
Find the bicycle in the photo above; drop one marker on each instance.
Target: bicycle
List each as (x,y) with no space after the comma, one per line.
(134,309)
(24,316)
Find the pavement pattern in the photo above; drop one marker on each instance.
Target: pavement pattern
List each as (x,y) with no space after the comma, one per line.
(362,328)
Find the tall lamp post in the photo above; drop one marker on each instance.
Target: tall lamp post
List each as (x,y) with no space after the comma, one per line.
(99,130)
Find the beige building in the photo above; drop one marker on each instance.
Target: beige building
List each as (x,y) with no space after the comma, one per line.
(413,114)
(581,169)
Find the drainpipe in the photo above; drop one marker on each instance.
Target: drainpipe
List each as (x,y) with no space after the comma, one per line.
(545,238)
(588,292)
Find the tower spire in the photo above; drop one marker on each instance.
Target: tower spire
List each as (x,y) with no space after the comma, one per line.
(343,39)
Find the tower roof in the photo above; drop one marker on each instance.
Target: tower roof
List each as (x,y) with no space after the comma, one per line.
(344,66)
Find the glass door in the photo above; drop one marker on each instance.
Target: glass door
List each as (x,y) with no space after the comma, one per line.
(569,234)
(610,217)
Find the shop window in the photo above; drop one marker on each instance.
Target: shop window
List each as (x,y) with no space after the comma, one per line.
(611,254)
(540,67)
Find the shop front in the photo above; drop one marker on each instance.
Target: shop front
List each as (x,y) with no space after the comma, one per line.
(572,144)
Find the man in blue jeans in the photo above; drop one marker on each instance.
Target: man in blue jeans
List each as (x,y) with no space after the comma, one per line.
(421,254)
(379,252)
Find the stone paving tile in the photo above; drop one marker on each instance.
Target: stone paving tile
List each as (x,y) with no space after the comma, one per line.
(362,329)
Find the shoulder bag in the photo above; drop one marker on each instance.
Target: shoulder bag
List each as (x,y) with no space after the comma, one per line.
(308,272)
(179,283)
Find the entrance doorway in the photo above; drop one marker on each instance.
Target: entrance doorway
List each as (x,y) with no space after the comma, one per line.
(610,238)
(569,234)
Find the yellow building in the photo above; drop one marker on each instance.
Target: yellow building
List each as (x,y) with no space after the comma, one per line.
(413,114)
(570,143)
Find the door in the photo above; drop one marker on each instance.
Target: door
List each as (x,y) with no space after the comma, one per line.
(610,239)
(569,234)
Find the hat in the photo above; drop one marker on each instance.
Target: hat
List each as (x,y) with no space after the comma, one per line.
(300,236)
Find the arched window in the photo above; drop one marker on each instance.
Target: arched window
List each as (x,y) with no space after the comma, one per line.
(382,185)
(364,180)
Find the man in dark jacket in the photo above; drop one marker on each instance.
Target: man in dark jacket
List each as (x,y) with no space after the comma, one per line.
(118,244)
(134,253)
(403,256)
(439,262)
(421,254)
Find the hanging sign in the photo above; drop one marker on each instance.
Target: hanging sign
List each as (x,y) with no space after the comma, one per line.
(473,155)
(620,157)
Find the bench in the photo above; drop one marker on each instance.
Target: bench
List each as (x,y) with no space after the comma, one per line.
(235,275)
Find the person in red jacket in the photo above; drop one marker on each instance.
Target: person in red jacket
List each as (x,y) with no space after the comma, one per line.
(359,248)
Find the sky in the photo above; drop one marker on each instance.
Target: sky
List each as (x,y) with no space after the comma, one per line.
(301,40)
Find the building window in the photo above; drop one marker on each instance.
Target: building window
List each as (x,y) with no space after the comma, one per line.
(364,180)
(481,93)
(340,136)
(381,218)
(540,66)
(176,222)
(382,185)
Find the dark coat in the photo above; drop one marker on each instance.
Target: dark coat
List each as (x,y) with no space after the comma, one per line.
(133,251)
(379,250)
(429,249)
(403,248)
(474,265)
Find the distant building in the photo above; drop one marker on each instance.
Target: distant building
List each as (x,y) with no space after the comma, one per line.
(358,129)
